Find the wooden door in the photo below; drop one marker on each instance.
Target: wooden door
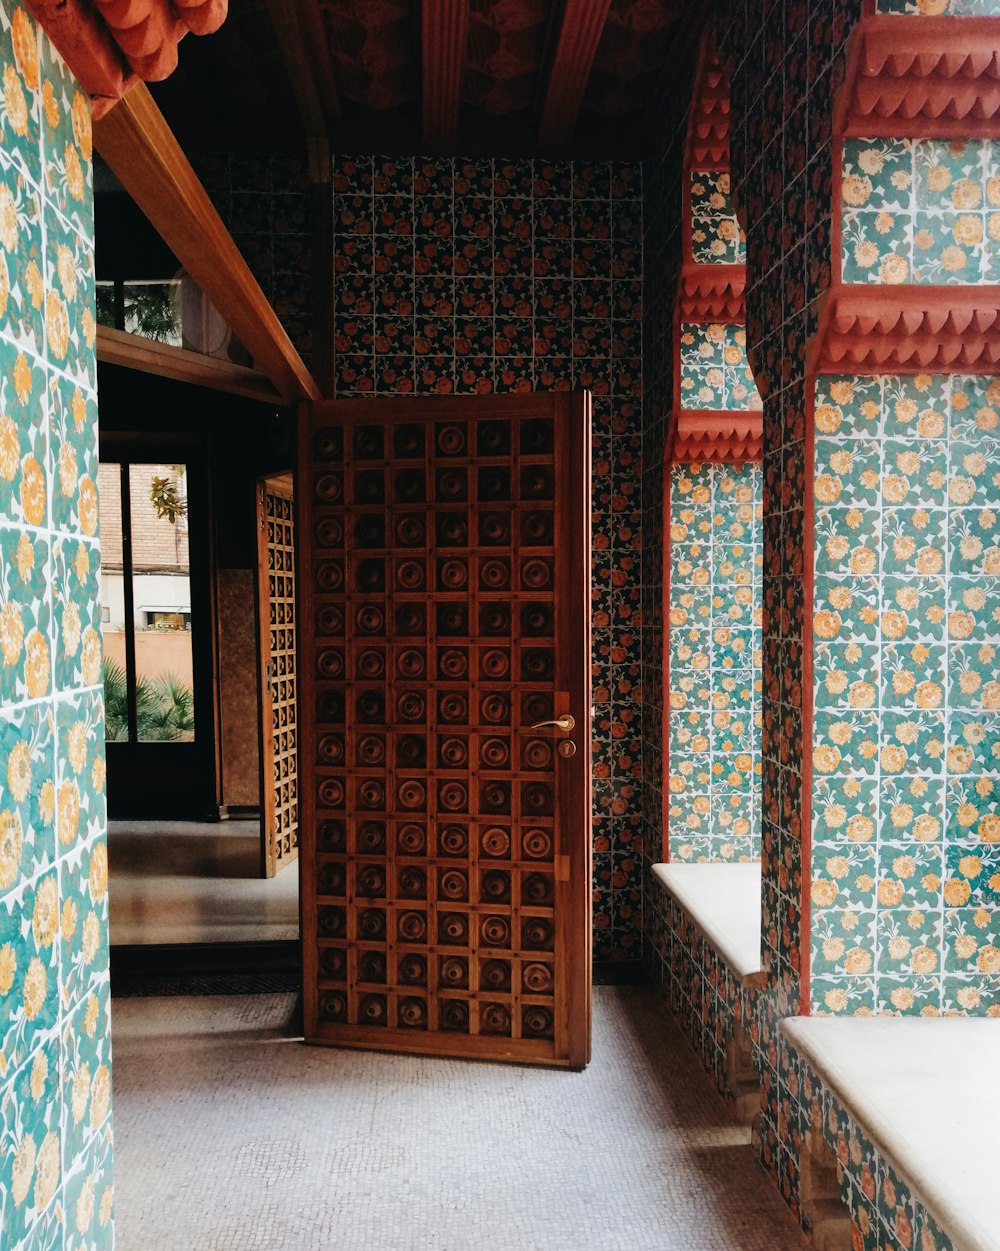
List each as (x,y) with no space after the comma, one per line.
(445,588)
(279,808)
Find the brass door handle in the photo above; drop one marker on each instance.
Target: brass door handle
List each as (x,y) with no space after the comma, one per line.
(565,722)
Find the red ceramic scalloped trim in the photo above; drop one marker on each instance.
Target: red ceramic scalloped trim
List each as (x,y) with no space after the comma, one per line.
(712,293)
(111,44)
(869,329)
(707,435)
(708,130)
(926,77)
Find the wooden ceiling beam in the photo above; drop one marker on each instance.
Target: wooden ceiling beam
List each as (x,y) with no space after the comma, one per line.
(142,152)
(444,34)
(301,35)
(579,36)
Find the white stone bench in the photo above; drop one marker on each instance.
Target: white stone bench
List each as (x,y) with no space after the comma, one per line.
(724,902)
(925,1093)
(721,903)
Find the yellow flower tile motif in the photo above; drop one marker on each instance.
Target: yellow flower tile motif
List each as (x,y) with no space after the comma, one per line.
(905,881)
(55,1171)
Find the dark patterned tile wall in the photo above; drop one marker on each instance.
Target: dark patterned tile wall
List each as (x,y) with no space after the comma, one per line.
(480,276)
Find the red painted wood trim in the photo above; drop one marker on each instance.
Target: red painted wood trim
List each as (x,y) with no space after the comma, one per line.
(579,37)
(665,664)
(444,32)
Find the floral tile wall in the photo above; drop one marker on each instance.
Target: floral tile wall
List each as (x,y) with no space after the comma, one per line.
(937,8)
(715,372)
(715,662)
(476,276)
(920,211)
(884,1211)
(906,740)
(55,1089)
(717,237)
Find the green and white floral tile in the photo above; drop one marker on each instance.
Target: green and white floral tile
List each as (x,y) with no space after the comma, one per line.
(974,608)
(842,809)
(974,540)
(913,675)
(973,744)
(972,673)
(975,409)
(876,247)
(909,941)
(850,470)
(915,472)
(848,408)
(27,794)
(973,807)
(911,742)
(30,1138)
(20,107)
(690,731)
(972,940)
(90,1197)
(936,8)
(973,472)
(86,1068)
(70,326)
(838,995)
(77,609)
(843,874)
(80,769)
(972,876)
(971,995)
(25,611)
(704,386)
(911,809)
(716,236)
(908,995)
(842,940)
(912,609)
(847,675)
(20,258)
(23,437)
(715,373)
(914,540)
(68,143)
(846,608)
(878,175)
(29,966)
(909,875)
(73,473)
(84,916)
(848,540)
(915,406)
(948,247)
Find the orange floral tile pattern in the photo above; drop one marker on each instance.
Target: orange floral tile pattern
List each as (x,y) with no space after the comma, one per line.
(55,1084)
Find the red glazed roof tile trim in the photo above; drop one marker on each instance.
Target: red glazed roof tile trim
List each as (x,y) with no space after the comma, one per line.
(716,437)
(111,44)
(713,293)
(899,329)
(708,131)
(925,77)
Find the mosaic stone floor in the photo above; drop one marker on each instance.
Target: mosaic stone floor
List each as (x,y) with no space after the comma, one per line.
(230,1136)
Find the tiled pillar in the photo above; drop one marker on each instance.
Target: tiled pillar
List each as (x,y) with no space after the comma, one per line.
(55,1082)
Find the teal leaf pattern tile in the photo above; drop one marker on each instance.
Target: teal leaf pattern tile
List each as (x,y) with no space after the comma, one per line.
(55,1139)
(906,685)
(715,658)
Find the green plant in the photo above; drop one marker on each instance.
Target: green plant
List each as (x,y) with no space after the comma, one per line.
(167,500)
(164,707)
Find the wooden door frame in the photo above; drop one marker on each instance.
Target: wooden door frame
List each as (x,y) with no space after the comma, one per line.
(572,862)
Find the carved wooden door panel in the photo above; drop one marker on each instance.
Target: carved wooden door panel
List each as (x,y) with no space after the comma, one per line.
(278,657)
(445,725)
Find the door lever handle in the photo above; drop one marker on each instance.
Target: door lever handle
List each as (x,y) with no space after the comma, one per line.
(565,722)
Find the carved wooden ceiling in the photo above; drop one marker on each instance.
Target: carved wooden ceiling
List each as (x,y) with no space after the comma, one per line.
(574,77)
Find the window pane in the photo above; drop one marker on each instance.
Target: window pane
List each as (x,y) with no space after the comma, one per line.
(161,587)
(151,311)
(109,489)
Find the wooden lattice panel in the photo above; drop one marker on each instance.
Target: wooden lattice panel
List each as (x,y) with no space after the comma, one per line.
(279,647)
(446,871)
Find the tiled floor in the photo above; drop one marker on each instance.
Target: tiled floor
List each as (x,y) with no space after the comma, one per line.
(195,882)
(230,1136)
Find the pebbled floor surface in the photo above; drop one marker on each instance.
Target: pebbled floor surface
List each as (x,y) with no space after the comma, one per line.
(232,1136)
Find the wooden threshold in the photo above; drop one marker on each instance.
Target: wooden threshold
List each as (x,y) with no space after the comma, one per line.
(144,155)
(117,347)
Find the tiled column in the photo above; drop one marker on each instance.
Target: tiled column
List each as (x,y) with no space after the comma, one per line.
(55,1081)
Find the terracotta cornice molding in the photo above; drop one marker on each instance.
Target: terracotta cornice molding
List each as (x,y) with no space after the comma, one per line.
(711,436)
(922,77)
(111,45)
(708,129)
(908,329)
(712,293)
